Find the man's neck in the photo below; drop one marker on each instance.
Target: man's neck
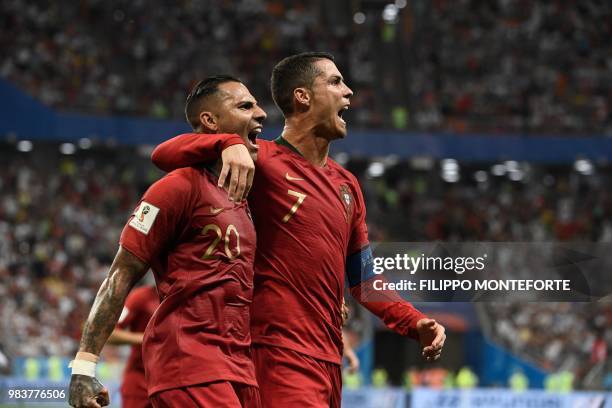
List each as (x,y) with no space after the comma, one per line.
(302,136)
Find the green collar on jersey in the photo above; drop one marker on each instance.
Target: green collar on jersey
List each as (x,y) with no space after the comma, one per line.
(281,141)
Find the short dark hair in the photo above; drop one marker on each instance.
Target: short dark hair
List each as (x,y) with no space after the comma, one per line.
(294,72)
(200,93)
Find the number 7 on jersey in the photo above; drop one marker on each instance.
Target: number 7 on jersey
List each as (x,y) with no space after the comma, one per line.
(300,199)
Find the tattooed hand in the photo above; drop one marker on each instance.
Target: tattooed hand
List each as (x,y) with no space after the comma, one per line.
(87,392)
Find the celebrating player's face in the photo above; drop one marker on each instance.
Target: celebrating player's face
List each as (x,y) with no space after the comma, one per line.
(239,113)
(330,100)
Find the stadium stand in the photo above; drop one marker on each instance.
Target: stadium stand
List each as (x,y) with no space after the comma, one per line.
(473,66)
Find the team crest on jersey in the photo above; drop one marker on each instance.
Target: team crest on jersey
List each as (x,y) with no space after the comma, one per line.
(347,199)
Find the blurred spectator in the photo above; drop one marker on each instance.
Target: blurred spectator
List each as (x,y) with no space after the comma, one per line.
(518,381)
(380,378)
(5,363)
(466,378)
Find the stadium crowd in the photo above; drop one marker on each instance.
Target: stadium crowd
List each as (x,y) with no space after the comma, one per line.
(61,216)
(59,226)
(520,66)
(571,336)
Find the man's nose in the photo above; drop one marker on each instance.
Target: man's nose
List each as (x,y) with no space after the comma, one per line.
(348,92)
(260,115)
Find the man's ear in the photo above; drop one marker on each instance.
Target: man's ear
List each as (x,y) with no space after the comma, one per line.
(208,121)
(302,96)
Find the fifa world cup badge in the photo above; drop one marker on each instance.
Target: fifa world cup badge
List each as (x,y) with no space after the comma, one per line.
(347,199)
(144,217)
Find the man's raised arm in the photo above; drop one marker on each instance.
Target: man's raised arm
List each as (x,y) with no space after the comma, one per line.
(85,389)
(190,149)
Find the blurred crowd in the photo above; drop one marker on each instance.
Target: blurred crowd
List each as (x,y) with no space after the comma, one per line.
(518,66)
(61,216)
(574,337)
(555,204)
(60,219)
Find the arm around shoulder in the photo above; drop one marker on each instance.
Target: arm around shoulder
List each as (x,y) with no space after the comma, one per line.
(190,149)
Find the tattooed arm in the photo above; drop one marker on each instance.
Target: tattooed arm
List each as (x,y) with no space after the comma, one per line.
(85,389)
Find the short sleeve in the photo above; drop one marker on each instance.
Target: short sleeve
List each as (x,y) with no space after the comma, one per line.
(159,217)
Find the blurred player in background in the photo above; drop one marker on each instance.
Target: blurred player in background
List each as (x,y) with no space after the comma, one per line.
(139,307)
(201,248)
(309,215)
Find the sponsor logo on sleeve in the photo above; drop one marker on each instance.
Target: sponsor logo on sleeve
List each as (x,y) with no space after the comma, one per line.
(144,217)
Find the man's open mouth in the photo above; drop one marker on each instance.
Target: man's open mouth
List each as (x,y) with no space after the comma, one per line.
(253,135)
(341,112)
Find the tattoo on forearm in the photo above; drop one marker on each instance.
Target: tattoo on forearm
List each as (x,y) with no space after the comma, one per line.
(124,273)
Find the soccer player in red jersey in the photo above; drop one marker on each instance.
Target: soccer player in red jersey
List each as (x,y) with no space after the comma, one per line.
(139,307)
(309,215)
(201,248)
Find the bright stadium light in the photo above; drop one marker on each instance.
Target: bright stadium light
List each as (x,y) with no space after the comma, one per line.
(400,4)
(516,175)
(449,165)
(359,18)
(342,158)
(85,143)
(390,13)
(67,148)
(498,170)
(584,167)
(391,160)
(450,176)
(25,146)
(481,176)
(376,169)
(511,165)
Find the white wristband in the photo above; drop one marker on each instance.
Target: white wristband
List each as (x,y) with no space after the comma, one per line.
(83,367)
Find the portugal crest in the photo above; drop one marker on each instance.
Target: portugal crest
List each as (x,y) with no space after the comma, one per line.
(347,199)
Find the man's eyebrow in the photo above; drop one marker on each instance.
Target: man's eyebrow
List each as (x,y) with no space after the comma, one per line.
(336,76)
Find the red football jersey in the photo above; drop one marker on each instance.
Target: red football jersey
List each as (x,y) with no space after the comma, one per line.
(308,220)
(200,247)
(139,307)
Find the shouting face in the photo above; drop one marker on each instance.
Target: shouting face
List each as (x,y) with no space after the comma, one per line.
(239,113)
(330,98)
